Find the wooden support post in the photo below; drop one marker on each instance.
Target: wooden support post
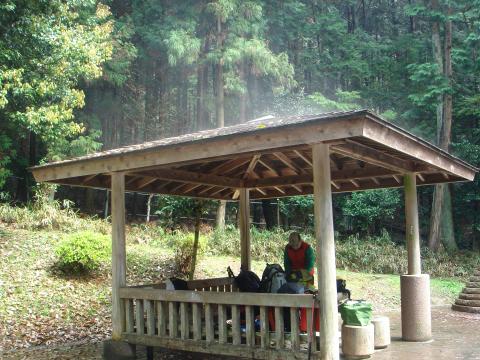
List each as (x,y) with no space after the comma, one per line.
(118,253)
(244,213)
(326,271)
(412,230)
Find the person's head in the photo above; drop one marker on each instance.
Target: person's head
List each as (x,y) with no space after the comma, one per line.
(294,240)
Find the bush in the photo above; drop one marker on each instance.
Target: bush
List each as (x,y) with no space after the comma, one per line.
(82,252)
(183,245)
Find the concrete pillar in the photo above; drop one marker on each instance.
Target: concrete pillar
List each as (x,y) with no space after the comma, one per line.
(244,213)
(416,310)
(326,271)
(118,253)
(414,287)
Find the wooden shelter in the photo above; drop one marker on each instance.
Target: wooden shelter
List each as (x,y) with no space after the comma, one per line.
(264,158)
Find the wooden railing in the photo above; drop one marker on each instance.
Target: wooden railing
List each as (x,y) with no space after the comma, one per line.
(213,318)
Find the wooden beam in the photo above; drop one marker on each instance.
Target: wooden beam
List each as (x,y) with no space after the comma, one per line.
(372,156)
(397,179)
(279,190)
(176,189)
(355,183)
(408,144)
(336,161)
(118,254)
(229,166)
(422,179)
(268,165)
(146,180)
(192,177)
(346,187)
(335,185)
(308,179)
(190,187)
(298,188)
(325,244)
(216,192)
(208,188)
(132,179)
(303,157)
(86,179)
(261,191)
(288,162)
(244,224)
(236,194)
(251,166)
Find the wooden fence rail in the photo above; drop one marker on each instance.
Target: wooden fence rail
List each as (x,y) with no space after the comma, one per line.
(214,318)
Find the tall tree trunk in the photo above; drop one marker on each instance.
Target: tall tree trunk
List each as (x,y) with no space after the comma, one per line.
(243,95)
(151,126)
(220,111)
(149,207)
(198,213)
(270,214)
(441,221)
(411,27)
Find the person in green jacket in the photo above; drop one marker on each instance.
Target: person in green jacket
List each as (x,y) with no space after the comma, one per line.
(299,261)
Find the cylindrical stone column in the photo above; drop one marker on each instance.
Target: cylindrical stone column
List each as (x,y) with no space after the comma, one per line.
(416,310)
(381,325)
(357,341)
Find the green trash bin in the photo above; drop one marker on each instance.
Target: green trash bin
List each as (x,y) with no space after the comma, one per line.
(356,312)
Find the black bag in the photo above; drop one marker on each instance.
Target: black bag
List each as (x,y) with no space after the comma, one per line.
(246,281)
(273,278)
(342,288)
(179,284)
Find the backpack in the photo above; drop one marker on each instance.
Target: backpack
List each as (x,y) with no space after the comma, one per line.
(246,281)
(273,278)
(342,288)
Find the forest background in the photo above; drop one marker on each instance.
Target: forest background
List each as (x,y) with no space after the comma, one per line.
(82,76)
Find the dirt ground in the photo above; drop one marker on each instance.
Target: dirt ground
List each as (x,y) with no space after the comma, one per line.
(455,337)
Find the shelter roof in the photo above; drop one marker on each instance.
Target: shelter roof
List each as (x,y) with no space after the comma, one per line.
(272,157)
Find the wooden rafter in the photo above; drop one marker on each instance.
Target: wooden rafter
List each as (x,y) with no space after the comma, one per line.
(336,161)
(145,181)
(335,185)
(207,189)
(190,187)
(261,191)
(372,156)
(288,162)
(229,166)
(308,179)
(303,157)
(251,166)
(192,177)
(86,179)
(267,164)
(355,182)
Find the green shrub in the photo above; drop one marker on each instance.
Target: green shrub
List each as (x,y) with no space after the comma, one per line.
(82,252)
(182,243)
